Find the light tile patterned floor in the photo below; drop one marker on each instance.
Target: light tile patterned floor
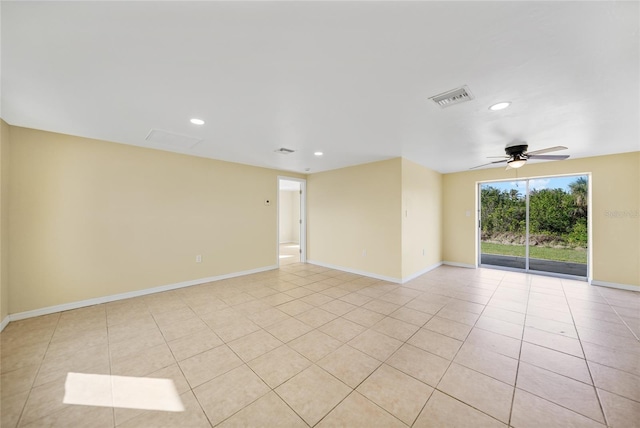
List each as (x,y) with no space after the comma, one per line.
(309,346)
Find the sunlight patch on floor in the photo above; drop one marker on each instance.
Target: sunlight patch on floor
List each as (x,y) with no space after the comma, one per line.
(122,391)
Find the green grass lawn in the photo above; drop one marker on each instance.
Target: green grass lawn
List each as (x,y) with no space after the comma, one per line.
(558,254)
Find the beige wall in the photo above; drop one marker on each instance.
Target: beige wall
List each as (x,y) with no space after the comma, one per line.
(289,211)
(91,218)
(421,218)
(356,210)
(4,219)
(615,182)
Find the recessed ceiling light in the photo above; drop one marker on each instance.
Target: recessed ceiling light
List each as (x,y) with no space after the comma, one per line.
(197,121)
(500,106)
(318,153)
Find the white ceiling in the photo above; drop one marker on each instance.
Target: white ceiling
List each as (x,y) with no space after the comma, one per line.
(352,79)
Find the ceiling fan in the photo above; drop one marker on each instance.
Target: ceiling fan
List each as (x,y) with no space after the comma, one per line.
(517,155)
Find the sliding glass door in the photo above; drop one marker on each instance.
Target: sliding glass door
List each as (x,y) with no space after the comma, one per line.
(536,225)
(558,225)
(503,223)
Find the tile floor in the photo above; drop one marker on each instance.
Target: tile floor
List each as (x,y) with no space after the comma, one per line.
(308,346)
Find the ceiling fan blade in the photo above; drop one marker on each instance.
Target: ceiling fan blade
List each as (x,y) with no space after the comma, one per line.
(548,157)
(490,163)
(496,157)
(547,150)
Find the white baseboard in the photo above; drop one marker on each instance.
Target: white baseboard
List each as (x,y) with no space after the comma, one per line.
(355,271)
(615,285)
(382,277)
(421,272)
(106,299)
(462,265)
(4,322)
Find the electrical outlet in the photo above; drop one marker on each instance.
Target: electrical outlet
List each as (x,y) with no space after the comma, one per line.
(198,258)
(364,253)
(423,251)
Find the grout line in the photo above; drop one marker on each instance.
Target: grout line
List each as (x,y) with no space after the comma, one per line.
(458,287)
(560,405)
(524,326)
(106,321)
(24,406)
(593,383)
(452,359)
(285,401)
(177,363)
(225,343)
(354,389)
(619,316)
(319,367)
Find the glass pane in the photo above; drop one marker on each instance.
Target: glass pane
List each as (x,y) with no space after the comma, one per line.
(503,224)
(558,225)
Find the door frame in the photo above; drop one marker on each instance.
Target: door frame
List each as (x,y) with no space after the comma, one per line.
(303,217)
(527,270)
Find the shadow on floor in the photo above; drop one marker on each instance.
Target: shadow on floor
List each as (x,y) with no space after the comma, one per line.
(565,268)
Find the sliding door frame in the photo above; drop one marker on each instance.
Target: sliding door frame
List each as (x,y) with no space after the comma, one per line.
(527,267)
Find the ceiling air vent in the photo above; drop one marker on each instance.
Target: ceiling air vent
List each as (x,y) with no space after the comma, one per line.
(284,151)
(169,139)
(453,97)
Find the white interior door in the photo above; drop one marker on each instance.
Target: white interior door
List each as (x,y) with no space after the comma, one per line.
(291,219)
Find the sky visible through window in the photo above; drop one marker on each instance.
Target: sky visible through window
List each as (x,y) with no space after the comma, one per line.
(536,183)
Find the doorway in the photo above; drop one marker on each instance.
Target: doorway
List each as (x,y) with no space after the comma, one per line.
(291,221)
(537,224)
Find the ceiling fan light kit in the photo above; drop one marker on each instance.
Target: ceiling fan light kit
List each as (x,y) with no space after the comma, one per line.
(516,162)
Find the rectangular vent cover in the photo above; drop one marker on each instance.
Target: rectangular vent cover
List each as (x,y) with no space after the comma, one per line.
(170,139)
(284,151)
(455,96)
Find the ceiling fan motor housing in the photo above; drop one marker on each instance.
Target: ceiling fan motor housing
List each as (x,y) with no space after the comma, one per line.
(516,150)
